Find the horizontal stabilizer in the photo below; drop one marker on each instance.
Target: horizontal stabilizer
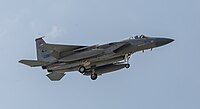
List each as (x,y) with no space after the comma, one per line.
(33,63)
(55,76)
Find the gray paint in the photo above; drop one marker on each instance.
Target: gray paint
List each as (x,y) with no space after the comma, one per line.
(92,59)
(167,78)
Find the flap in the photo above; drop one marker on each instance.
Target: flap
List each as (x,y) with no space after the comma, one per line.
(60,48)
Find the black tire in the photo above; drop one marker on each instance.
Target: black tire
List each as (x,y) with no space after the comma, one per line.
(127,66)
(44,67)
(49,70)
(82,69)
(94,76)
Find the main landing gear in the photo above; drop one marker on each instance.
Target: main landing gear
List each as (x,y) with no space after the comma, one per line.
(82,69)
(93,75)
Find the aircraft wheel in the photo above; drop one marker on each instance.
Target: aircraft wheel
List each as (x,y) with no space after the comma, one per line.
(82,69)
(49,70)
(44,67)
(94,76)
(127,66)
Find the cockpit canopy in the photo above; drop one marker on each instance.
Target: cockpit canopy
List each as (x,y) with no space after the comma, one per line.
(138,37)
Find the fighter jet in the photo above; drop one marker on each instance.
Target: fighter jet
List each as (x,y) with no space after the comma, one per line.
(93,60)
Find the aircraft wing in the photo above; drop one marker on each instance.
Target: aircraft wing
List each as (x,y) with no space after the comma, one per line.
(121,47)
(60,48)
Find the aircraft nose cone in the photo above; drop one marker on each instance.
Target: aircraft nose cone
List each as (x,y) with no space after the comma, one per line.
(163,41)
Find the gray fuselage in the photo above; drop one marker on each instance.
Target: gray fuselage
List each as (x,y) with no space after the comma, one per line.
(105,54)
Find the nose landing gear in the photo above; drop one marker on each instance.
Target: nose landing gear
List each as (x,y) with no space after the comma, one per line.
(126,60)
(127,66)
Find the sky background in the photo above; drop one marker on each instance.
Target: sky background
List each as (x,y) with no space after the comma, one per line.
(166,78)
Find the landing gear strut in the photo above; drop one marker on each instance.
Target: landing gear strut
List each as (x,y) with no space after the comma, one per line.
(126,59)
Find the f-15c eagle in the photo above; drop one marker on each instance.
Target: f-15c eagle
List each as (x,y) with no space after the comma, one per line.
(90,60)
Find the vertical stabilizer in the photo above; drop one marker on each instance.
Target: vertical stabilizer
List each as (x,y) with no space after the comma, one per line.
(42,55)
